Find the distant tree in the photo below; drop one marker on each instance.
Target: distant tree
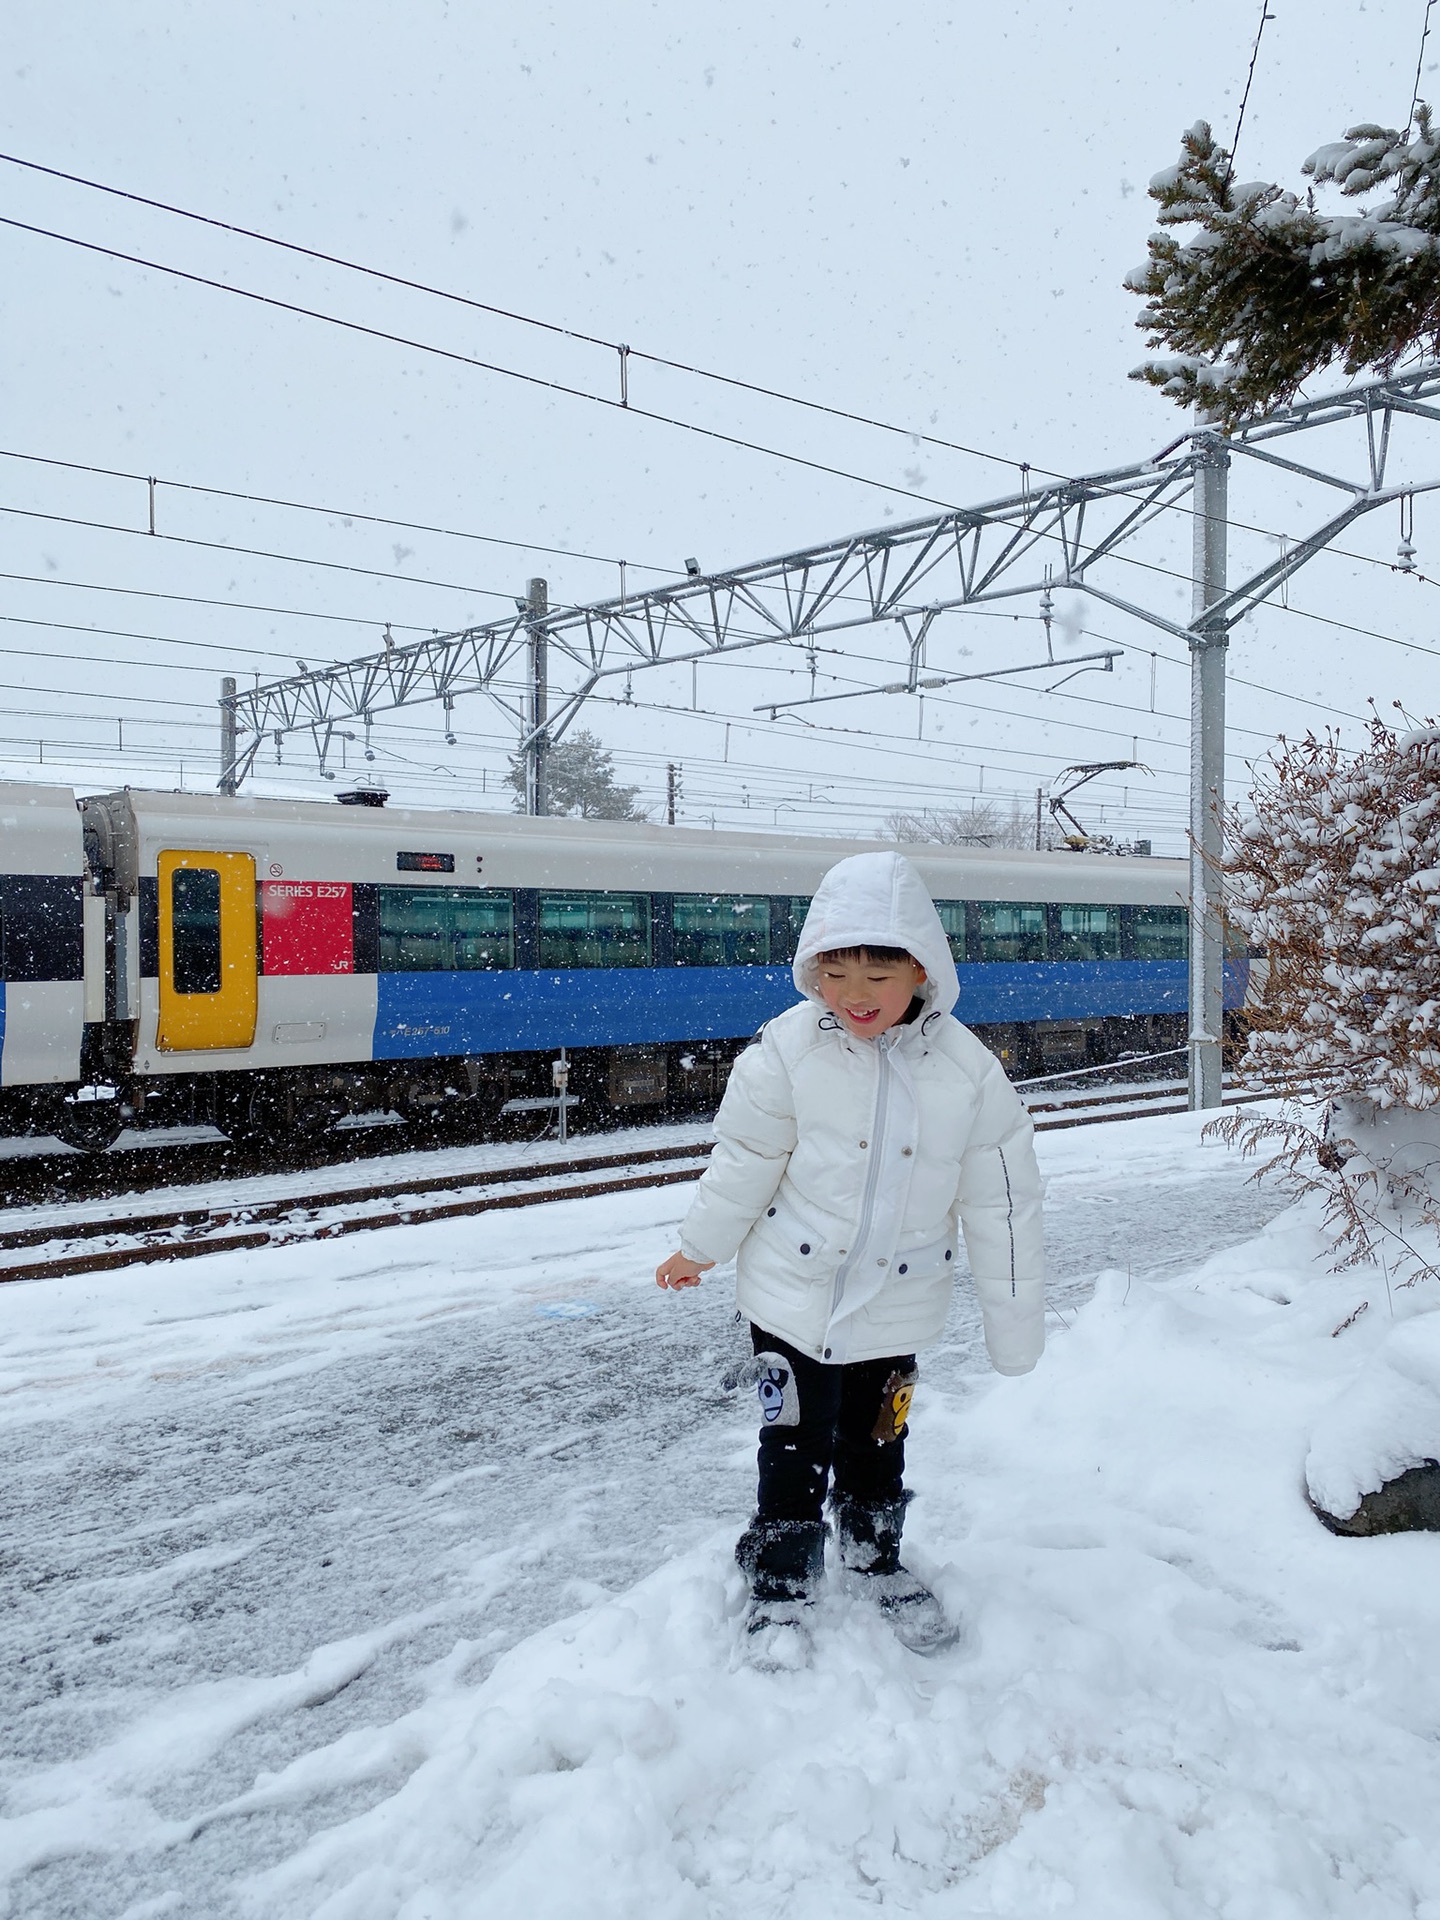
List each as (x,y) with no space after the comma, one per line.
(983,823)
(582,783)
(1270,291)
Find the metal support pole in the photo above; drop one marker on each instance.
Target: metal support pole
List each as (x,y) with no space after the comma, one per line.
(670,795)
(228,741)
(537,781)
(1208,648)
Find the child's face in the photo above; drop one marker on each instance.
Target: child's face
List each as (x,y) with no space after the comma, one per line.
(869,996)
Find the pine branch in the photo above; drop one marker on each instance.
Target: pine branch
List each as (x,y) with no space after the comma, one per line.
(1270,292)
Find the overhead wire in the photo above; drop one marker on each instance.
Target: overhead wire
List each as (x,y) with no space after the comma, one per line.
(1419,63)
(257,553)
(1024,467)
(158,639)
(619,348)
(1265,17)
(502,594)
(337,513)
(860,688)
(469,360)
(203,600)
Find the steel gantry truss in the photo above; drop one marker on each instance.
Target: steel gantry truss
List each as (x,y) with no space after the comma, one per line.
(1065,534)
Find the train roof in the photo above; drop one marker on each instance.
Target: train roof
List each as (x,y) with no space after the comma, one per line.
(519,851)
(39,829)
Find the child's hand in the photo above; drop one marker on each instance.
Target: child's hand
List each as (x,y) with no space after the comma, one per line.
(681,1271)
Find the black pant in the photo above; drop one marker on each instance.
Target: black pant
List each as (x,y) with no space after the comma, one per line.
(840,1411)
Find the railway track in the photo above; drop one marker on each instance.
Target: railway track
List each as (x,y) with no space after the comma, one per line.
(187,1233)
(1093,1109)
(63,1246)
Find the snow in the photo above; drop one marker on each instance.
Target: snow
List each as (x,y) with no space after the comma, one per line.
(391,1577)
(1382,1422)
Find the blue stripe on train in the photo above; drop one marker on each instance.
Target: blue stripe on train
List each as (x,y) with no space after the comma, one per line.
(420,1015)
(1083,989)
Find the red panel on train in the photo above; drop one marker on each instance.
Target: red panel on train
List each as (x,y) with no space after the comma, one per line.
(307,926)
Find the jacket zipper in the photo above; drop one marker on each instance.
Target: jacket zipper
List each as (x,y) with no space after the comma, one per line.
(872,1176)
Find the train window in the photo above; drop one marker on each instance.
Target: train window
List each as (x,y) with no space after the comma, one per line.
(594,930)
(42,933)
(195,925)
(445,929)
(1161,933)
(1012,930)
(722,930)
(1089,933)
(952,918)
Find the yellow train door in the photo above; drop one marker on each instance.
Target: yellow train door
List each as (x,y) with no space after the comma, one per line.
(208,992)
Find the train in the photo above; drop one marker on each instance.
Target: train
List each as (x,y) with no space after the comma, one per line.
(276,968)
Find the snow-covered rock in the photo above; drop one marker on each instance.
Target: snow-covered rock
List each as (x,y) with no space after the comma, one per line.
(1372,1465)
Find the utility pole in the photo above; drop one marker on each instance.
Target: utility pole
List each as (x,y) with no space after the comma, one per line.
(1209,645)
(229,743)
(537,781)
(671,789)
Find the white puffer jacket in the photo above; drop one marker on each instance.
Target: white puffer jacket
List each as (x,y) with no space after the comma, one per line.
(842,1165)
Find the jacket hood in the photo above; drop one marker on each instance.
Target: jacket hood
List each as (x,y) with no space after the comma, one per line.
(877,900)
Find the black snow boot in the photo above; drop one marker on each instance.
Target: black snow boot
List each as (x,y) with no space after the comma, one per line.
(783,1560)
(868,1536)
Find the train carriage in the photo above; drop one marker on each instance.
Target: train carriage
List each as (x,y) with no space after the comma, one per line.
(274,965)
(51,946)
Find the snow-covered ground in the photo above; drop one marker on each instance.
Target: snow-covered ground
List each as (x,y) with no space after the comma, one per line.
(390,1577)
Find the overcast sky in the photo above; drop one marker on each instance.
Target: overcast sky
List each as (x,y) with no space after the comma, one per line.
(921,215)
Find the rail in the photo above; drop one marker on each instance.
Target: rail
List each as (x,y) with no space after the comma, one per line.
(64,1247)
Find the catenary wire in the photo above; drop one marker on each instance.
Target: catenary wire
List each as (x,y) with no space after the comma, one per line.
(571,553)
(375,519)
(1419,63)
(203,600)
(498,593)
(505,313)
(1265,16)
(336,513)
(1024,467)
(258,553)
(471,360)
(304,613)
(861,690)
(1021,466)
(157,639)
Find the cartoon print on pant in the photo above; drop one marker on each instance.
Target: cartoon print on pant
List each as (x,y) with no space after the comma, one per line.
(895,1398)
(779,1399)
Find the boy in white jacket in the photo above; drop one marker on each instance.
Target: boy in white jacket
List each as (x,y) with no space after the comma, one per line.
(855,1133)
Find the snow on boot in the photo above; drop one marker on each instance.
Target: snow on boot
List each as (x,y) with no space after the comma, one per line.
(868,1535)
(783,1560)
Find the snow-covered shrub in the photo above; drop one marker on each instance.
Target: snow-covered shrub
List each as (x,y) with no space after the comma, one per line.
(1335,874)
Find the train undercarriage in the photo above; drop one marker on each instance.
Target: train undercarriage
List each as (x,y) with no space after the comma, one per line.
(485,1096)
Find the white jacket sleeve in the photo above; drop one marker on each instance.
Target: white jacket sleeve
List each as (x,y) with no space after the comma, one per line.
(999,1202)
(754,1137)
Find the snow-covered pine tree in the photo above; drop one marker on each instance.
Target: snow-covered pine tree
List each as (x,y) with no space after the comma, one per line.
(1270,290)
(1334,872)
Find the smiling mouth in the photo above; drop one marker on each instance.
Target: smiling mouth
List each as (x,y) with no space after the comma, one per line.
(859,1017)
